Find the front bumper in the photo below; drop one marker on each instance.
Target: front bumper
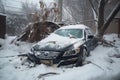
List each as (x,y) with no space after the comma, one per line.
(37,60)
(53,61)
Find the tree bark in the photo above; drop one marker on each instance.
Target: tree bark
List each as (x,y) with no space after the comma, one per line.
(101,18)
(60,7)
(110,17)
(95,14)
(93,7)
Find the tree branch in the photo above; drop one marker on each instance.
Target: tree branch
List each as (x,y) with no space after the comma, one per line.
(97,1)
(111,16)
(93,7)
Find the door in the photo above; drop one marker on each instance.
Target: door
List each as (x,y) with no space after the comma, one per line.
(88,42)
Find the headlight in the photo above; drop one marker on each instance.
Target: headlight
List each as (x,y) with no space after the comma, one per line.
(71,52)
(77,50)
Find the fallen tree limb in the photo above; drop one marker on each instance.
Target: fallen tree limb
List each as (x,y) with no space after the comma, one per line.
(107,43)
(14,56)
(46,74)
(35,32)
(95,65)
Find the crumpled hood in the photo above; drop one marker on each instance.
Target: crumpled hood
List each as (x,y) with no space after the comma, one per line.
(57,43)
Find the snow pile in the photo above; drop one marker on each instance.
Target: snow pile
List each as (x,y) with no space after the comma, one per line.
(104,64)
(2,42)
(58,42)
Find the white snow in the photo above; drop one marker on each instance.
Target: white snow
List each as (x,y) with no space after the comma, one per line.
(104,65)
(57,41)
(77,26)
(2,41)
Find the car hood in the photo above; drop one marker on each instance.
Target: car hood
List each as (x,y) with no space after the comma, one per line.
(55,42)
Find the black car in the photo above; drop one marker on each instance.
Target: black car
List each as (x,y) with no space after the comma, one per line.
(67,45)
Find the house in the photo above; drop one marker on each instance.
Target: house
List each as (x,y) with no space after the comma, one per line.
(2,25)
(2,21)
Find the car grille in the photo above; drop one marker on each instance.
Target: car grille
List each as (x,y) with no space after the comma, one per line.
(44,55)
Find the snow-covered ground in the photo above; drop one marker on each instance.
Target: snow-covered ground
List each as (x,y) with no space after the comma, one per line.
(104,64)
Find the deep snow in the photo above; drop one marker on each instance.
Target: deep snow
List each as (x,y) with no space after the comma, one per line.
(104,64)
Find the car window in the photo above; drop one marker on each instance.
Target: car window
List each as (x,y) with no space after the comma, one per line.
(76,33)
(84,34)
(88,32)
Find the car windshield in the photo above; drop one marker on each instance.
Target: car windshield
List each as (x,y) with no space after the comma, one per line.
(74,33)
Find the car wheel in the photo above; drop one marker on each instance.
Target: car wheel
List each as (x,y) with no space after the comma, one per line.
(81,57)
(79,61)
(84,54)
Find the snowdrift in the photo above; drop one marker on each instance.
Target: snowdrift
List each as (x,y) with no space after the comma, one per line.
(104,64)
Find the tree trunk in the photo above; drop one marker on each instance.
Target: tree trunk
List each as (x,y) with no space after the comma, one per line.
(93,7)
(60,7)
(95,14)
(101,18)
(110,17)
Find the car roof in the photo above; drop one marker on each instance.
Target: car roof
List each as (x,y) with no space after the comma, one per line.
(78,26)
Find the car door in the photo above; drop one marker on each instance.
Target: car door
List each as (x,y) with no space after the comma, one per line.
(88,42)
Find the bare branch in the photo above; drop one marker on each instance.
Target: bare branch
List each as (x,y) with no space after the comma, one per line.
(92,20)
(97,1)
(93,7)
(111,16)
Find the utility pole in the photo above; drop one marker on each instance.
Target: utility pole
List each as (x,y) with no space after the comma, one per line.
(60,8)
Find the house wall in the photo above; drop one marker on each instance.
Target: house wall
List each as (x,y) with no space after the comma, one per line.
(2,26)
(113,27)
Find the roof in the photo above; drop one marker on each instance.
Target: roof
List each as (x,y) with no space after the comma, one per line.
(78,26)
(2,14)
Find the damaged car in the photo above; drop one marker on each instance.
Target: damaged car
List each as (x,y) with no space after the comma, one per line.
(67,45)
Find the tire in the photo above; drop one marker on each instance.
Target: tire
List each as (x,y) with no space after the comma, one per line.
(84,54)
(81,57)
(79,61)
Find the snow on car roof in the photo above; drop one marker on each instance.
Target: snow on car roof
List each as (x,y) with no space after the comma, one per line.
(78,26)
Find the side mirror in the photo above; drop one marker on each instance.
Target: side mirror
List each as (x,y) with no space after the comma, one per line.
(90,36)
